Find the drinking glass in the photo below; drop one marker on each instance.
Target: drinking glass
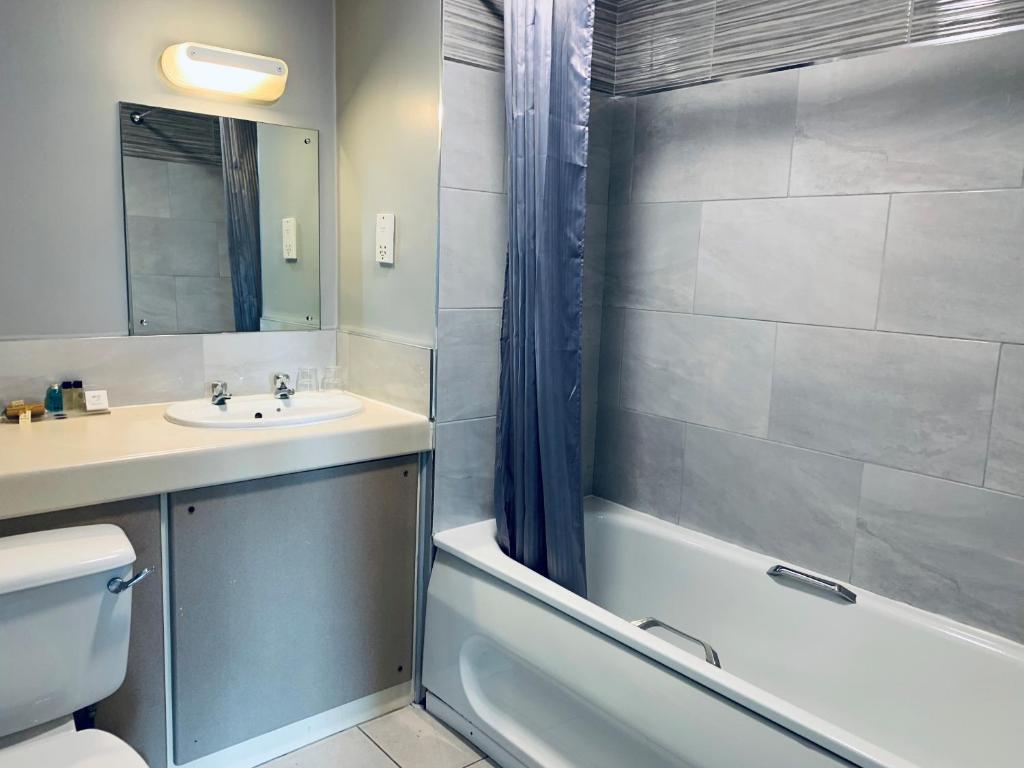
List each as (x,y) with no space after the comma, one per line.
(332,378)
(306,381)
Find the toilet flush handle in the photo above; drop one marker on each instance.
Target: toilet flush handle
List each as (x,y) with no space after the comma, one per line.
(117,585)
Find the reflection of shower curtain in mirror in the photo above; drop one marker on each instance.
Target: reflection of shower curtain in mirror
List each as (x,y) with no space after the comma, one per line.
(537,494)
(242,204)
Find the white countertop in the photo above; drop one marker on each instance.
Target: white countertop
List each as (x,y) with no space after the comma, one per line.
(135,452)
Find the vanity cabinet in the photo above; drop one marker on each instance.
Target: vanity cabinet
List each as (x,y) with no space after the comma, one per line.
(290,596)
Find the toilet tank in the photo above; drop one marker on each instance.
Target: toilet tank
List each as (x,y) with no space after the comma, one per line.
(63,635)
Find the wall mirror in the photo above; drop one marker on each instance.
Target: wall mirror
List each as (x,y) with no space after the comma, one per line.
(221,223)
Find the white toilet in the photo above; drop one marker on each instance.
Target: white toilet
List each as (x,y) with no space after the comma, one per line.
(64,630)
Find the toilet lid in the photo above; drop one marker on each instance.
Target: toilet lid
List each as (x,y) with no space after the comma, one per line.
(72,749)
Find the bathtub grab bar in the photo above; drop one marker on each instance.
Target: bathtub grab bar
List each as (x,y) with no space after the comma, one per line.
(815,582)
(710,654)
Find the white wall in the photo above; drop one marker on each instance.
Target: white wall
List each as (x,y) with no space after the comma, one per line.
(64,65)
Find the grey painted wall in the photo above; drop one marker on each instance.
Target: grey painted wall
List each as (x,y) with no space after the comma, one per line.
(471,274)
(813,340)
(66,65)
(388,92)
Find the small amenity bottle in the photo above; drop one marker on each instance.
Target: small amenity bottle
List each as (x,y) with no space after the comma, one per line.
(54,401)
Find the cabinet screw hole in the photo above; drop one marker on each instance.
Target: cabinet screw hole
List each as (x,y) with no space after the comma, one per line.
(405,473)
(191,510)
(400,667)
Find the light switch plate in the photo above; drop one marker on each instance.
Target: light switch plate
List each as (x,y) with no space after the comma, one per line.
(385,250)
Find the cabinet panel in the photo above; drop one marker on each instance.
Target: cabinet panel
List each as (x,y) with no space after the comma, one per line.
(289,596)
(135,712)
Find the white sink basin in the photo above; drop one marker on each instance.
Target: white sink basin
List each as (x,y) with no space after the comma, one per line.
(260,411)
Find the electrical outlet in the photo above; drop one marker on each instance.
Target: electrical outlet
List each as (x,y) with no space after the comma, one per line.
(385,250)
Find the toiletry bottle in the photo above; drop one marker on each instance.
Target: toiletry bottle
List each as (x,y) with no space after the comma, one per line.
(54,400)
(67,396)
(79,395)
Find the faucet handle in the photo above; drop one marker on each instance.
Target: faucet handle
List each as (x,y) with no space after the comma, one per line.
(219,392)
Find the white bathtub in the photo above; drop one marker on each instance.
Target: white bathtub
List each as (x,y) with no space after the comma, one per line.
(545,678)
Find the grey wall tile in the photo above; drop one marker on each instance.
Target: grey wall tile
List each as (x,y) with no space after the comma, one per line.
(467,363)
(197,191)
(954,265)
(154,303)
(463,473)
(474,244)
(620,166)
(662,44)
(912,402)
(390,371)
(133,369)
(706,370)
(724,140)
(159,246)
(595,239)
(787,502)
(944,547)
(932,19)
(1005,470)
(146,187)
(588,443)
(610,363)
(473,129)
(913,119)
(248,361)
(639,461)
(801,260)
(205,304)
(652,255)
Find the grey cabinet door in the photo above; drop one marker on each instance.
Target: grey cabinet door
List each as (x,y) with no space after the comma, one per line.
(289,596)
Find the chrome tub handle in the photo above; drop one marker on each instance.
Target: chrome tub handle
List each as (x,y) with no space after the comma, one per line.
(118,585)
(710,654)
(833,588)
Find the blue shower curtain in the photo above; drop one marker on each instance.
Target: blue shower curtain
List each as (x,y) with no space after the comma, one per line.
(537,490)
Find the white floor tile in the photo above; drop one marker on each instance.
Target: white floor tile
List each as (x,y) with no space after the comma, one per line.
(349,749)
(414,739)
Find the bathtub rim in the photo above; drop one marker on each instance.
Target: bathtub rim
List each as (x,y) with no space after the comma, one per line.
(476,544)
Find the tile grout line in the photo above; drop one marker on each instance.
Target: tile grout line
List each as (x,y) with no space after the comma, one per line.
(378,746)
(822,452)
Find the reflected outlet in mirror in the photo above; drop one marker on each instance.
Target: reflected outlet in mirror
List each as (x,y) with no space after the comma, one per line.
(222,223)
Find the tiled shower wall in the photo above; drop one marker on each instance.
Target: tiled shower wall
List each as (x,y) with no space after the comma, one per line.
(471,274)
(813,334)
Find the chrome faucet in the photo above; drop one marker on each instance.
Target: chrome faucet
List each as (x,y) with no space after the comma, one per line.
(282,386)
(219,392)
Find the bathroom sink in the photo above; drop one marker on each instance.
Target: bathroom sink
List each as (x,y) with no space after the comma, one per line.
(260,411)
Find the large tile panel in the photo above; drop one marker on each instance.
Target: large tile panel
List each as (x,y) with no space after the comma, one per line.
(706,370)
(1006,446)
(911,402)
(463,472)
(913,119)
(730,139)
(467,363)
(954,265)
(158,246)
(473,129)
(786,502)
(389,371)
(248,361)
(801,260)
(948,548)
(639,461)
(652,255)
(133,369)
(474,244)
